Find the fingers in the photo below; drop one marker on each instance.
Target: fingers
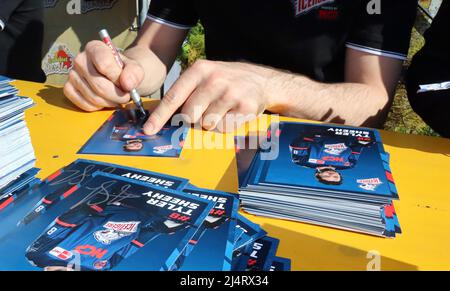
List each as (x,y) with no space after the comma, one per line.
(127,76)
(102,86)
(173,100)
(83,87)
(223,121)
(199,101)
(98,78)
(76,98)
(216,112)
(232,120)
(207,94)
(131,76)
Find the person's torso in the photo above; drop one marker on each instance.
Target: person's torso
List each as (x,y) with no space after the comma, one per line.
(27,16)
(21,41)
(436,51)
(437,36)
(301,36)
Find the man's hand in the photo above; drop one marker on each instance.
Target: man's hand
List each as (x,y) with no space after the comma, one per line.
(97,81)
(215,94)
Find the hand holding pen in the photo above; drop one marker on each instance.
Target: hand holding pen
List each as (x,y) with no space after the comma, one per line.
(104,36)
(98,81)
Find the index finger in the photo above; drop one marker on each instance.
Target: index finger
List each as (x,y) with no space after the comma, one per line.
(172,100)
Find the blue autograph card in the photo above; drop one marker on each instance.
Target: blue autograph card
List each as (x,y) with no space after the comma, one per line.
(122,134)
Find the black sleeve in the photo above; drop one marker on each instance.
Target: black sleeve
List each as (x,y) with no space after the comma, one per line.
(7,7)
(176,13)
(437,37)
(384,32)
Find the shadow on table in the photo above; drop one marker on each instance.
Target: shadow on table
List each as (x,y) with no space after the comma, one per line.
(229,181)
(416,142)
(312,253)
(55,96)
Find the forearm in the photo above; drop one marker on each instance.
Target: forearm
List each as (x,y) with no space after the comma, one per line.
(155,49)
(347,103)
(155,69)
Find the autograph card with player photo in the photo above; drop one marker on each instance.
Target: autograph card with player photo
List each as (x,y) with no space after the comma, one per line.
(212,247)
(120,224)
(250,232)
(122,134)
(259,256)
(64,182)
(328,175)
(329,159)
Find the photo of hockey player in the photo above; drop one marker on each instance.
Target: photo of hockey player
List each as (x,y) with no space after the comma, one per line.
(113,224)
(134,145)
(61,184)
(130,128)
(328,158)
(328,154)
(122,134)
(115,231)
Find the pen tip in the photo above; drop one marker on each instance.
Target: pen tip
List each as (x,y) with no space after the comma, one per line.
(144,113)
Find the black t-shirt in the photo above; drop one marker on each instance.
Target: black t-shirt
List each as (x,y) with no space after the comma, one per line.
(302,36)
(437,38)
(432,63)
(21,39)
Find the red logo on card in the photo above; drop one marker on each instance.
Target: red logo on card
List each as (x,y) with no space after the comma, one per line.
(304,6)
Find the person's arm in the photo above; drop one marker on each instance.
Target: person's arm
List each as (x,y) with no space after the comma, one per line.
(218,94)
(96,81)
(223,94)
(156,50)
(363,100)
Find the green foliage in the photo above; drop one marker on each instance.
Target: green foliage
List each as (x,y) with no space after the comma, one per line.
(401,117)
(194,47)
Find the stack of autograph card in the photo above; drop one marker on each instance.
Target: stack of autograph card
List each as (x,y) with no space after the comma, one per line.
(17,160)
(255,251)
(91,215)
(328,175)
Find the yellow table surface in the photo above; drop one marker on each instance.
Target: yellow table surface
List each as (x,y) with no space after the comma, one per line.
(421,168)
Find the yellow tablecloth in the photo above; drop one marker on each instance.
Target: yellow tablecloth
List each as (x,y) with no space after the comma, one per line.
(421,168)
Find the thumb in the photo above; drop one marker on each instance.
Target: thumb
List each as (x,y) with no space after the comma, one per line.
(131,77)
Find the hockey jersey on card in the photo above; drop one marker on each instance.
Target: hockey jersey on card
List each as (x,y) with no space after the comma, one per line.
(101,237)
(325,150)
